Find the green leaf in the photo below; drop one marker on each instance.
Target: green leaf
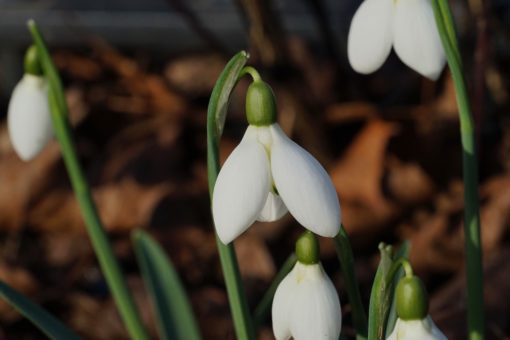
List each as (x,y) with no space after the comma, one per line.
(402,253)
(47,323)
(380,296)
(173,312)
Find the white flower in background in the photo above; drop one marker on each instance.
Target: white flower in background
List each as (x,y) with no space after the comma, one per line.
(28,117)
(306,305)
(266,174)
(423,329)
(408,25)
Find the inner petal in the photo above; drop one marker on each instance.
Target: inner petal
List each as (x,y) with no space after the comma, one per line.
(273,209)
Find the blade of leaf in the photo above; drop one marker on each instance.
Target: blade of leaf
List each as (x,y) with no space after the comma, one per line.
(402,252)
(173,312)
(47,323)
(379,296)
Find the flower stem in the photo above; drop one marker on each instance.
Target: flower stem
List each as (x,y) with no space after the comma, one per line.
(102,247)
(240,313)
(473,249)
(346,258)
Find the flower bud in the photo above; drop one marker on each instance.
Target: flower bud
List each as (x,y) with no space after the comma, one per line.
(28,116)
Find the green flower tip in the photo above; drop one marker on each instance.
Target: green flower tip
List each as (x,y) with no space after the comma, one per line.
(307,248)
(32,64)
(412,300)
(260,104)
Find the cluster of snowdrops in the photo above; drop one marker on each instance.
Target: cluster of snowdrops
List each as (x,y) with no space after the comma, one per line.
(268,175)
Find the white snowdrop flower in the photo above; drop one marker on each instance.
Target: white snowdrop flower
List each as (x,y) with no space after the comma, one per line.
(414,322)
(407,25)
(267,173)
(306,305)
(28,116)
(423,329)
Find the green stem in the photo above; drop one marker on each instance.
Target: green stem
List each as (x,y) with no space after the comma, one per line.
(263,307)
(473,249)
(97,234)
(401,262)
(251,71)
(240,313)
(346,257)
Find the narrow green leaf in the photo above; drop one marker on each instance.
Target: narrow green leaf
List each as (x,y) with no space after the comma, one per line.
(173,312)
(380,296)
(47,323)
(402,253)
(265,304)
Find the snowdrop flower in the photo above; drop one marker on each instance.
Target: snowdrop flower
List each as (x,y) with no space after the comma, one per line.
(267,173)
(306,305)
(413,321)
(408,25)
(423,329)
(28,116)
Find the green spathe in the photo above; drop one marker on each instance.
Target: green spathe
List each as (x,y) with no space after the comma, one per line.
(307,248)
(412,300)
(260,104)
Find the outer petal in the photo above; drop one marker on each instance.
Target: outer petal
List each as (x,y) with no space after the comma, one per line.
(282,305)
(316,312)
(371,35)
(273,210)
(304,186)
(417,40)
(424,329)
(28,117)
(241,188)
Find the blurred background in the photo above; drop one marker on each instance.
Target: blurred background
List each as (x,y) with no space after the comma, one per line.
(138,75)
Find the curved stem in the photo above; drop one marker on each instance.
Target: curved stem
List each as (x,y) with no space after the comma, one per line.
(99,239)
(473,249)
(240,313)
(251,71)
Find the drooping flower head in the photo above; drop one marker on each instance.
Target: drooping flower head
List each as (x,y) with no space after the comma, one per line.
(306,304)
(268,174)
(28,116)
(407,25)
(413,321)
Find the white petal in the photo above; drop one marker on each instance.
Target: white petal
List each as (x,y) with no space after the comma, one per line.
(282,305)
(424,329)
(241,188)
(370,35)
(28,118)
(416,38)
(273,210)
(304,186)
(316,312)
